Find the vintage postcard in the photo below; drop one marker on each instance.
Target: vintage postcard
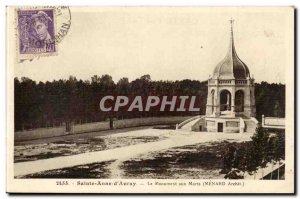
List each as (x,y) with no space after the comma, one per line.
(150,100)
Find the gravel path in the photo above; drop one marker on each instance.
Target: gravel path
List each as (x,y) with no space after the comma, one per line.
(175,139)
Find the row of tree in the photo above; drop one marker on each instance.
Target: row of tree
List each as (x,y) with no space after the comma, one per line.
(264,148)
(46,104)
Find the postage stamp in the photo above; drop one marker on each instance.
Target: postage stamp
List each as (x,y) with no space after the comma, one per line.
(36,32)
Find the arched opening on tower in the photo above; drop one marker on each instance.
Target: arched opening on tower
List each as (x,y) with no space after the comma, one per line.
(225,100)
(212,101)
(239,101)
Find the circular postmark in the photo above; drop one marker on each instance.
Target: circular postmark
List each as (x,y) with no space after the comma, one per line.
(63,22)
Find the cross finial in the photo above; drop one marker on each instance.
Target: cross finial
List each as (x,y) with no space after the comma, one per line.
(231,24)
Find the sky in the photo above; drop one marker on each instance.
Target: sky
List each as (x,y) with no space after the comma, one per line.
(167,43)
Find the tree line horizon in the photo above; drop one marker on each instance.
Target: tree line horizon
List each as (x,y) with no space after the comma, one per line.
(47,104)
(89,80)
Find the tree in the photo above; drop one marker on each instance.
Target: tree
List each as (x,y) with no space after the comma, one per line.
(277,109)
(228,159)
(258,148)
(241,161)
(279,149)
(270,100)
(146,78)
(270,154)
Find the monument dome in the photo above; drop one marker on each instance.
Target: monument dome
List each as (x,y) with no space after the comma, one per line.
(231,67)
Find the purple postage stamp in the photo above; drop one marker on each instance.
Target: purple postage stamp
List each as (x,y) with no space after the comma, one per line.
(36,30)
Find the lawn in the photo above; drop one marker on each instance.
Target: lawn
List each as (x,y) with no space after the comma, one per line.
(32,152)
(199,161)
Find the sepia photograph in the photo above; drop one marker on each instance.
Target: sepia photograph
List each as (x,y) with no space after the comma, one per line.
(150,99)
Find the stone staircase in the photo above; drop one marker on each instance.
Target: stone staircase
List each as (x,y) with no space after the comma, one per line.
(193,124)
(187,124)
(190,125)
(250,124)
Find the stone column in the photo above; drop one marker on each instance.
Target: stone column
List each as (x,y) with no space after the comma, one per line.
(232,101)
(217,103)
(253,107)
(217,99)
(208,102)
(247,102)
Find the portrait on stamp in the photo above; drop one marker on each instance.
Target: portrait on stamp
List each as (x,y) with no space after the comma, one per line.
(36,31)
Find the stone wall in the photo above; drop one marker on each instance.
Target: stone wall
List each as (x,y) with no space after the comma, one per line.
(89,127)
(40,133)
(199,125)
(97,126)
(148,121)
(230,125)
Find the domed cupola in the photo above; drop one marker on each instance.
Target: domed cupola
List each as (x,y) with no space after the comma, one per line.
(231,67)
